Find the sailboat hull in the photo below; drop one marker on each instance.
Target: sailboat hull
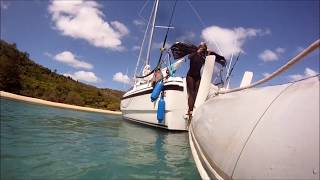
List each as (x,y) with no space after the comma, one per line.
(136,105)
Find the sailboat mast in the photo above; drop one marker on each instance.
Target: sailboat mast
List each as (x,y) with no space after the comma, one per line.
(152,29)
(142,44)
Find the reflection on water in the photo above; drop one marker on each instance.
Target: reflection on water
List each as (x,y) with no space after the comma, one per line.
(42,142)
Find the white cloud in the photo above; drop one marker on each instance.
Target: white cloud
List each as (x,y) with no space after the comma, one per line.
(48,54)
(307,73)
(122,78)
(68,58)
(135,48)
(280,50)
(266,32)
(4,4)
(83,76)
(229,40)
(138,22)
(265,74)
(300,49)
(84,20)
(269,55)
(295,77)
(120,27)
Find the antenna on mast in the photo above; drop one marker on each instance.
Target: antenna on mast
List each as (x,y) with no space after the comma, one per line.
(230,72)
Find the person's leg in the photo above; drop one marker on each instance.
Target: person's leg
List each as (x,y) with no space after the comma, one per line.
(197,84)
(191,92)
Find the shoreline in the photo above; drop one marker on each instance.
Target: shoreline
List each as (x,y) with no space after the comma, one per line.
(54,104)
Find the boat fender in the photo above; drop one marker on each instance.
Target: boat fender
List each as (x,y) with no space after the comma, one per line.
(161,109)
(156,91)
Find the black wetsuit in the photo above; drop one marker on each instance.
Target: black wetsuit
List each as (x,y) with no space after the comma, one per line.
(194,76)
(196,62)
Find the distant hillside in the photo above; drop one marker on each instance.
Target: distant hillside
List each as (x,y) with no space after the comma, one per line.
(20,75)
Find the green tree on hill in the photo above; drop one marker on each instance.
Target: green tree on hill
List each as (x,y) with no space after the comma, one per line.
(20,75)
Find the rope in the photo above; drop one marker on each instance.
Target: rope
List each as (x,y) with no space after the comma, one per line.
(282,69)
(197,14)
(203,24)
(144,5)
(165,38)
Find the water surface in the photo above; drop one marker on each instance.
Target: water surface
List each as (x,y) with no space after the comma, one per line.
(40,142)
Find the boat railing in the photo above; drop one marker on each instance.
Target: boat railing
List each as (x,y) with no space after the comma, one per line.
(280,70)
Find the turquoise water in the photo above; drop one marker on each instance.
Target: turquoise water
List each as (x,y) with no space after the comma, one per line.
(39,142)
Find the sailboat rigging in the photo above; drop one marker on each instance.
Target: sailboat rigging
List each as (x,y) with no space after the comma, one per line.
(164,41)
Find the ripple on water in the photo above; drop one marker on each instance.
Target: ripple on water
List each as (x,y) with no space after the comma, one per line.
(45,142)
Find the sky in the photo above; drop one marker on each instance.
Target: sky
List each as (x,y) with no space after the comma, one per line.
(98,42)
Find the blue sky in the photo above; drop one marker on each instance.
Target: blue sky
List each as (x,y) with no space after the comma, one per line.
(97,42)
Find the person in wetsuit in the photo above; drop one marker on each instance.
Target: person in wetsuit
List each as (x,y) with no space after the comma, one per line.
(193,78)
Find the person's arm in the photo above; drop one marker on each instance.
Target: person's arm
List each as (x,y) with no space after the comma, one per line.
(220,59)
(217,55)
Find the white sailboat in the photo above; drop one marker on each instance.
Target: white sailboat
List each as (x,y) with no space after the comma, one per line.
(136,104)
